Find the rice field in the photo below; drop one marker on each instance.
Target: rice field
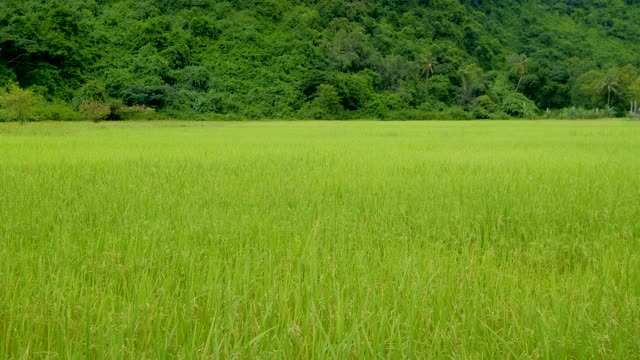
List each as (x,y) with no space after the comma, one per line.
(300,240)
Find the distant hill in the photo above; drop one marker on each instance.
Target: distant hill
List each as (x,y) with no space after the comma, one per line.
(327,58)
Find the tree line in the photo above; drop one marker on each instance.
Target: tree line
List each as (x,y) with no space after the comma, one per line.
(403,59)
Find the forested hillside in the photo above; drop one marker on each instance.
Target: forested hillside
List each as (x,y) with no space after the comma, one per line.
(325,58)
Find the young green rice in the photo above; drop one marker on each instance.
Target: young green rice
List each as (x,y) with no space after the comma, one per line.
(296,240)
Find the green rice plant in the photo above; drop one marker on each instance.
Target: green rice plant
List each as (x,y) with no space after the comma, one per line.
(506,239)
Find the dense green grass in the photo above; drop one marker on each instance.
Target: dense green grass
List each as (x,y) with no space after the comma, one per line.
(320,239)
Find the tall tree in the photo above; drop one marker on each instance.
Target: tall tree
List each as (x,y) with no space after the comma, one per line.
(519,64)
(427,69)
(473,82)
(609,83)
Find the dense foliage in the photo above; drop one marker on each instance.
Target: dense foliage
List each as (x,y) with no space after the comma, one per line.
(326,58)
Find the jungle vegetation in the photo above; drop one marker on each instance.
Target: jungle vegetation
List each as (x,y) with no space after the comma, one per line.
(288,59)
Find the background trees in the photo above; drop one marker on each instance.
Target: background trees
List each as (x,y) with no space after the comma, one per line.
(271,59)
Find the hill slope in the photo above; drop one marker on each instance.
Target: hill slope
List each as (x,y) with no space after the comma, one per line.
(327,58)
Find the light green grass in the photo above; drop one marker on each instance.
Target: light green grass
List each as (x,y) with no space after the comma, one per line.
(293,240)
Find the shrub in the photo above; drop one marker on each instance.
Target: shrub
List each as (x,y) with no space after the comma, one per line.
(354,90)
(153,95)
(138,112)
(382,106)
(326,104)
(114,110)
(453,113)
(216,102)
(56,111)
(95,111)
(577,112)
(327,99)
(5,116)
(483,107)
(518,105)
(17,102)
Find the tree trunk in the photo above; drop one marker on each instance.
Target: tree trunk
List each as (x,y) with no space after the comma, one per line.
(427,85)
(519,81)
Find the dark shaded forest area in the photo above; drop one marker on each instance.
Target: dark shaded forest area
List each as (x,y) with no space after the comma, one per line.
(405,59)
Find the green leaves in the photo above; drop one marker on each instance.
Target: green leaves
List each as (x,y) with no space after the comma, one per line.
(325,104)
(348,47)
(611,89)
(17,102)
(187,55)
(518,105)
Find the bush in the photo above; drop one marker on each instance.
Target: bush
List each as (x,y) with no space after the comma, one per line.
(518,105)
(156,95)
(354,90)
(95,111)
(326,104)
(216,102)
(483,107)
(5,116)
(453,113)
(138,112)
(114,110)
(56,111)
(577,113)
(17,102)
(382,106)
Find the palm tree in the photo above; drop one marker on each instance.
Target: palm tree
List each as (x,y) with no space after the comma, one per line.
(519,64)
(610,84)
(427,69)
(472,82)
(467,81)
